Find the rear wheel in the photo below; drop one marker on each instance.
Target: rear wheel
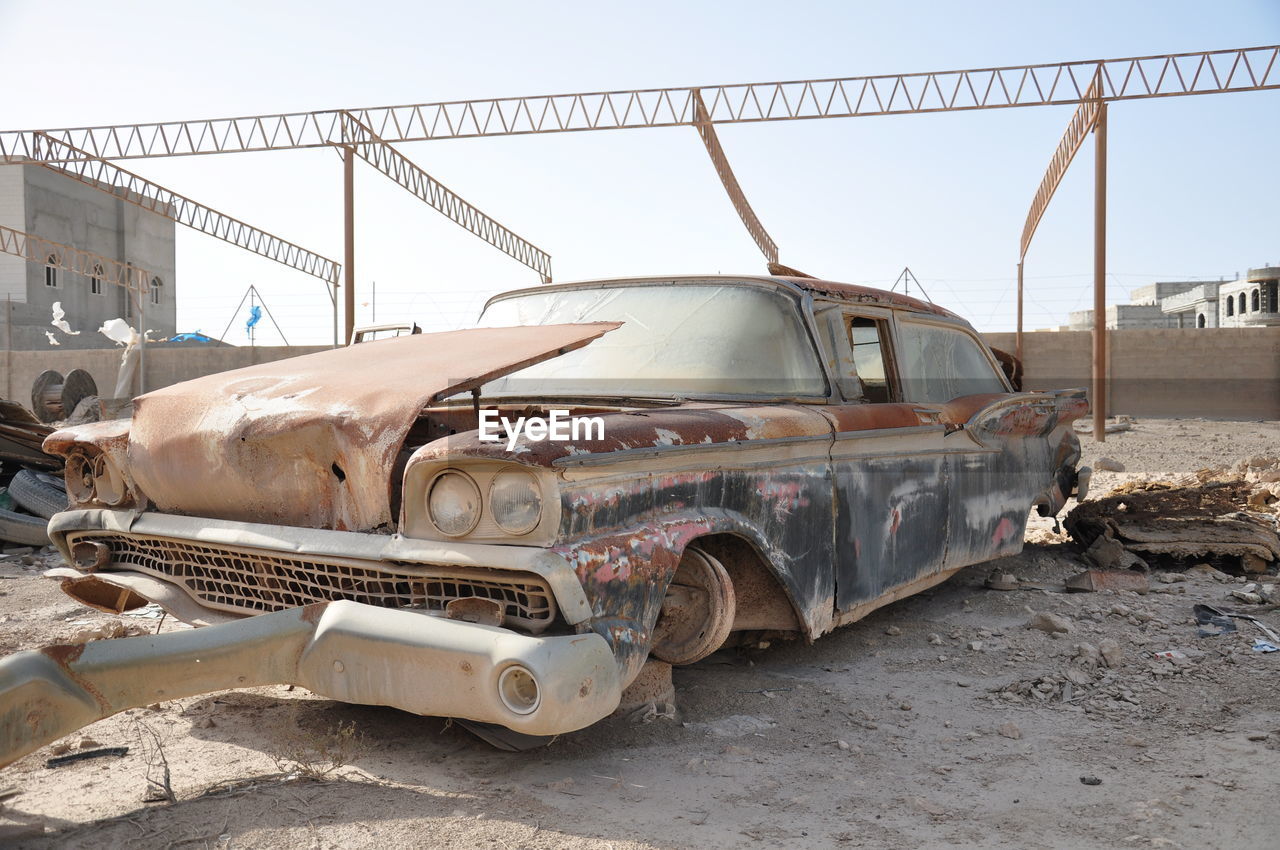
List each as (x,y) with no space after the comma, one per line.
(697,613)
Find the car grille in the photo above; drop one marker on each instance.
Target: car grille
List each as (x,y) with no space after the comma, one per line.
(252,581)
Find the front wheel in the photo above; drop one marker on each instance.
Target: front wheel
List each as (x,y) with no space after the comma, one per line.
(697,613)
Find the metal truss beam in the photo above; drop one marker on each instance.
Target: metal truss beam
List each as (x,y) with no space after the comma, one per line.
(65,159)
(367,145)
(1168,75)
(721,162)
(1078,128)
(35,249)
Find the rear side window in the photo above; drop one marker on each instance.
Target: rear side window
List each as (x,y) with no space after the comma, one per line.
(867,341)
(939,364)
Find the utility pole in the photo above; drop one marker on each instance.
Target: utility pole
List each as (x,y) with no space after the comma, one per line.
(349,239)
(1100,276)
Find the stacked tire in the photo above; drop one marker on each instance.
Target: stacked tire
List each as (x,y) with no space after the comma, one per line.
(26,506)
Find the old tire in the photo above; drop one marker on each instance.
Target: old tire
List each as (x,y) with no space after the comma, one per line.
(24,529)
(36,492)
(697,613)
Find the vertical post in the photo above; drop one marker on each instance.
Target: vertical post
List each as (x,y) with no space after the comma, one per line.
(1017,344)
(1100,276)
(349,239)
(142,341)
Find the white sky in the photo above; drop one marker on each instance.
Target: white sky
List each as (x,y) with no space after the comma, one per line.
(1192,179)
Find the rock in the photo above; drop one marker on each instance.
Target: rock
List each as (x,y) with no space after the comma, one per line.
(1051,623)
(1106,464)
(60,748)
(87,743)
(1111,652)
(1109,554)
(1258,736)
(935,639)
(1206,571)
(1170,578)
(1090,780)
(1002,581)
(844,745)
(975,646)
(893,631)
(1078,676)
(1010,730)
(1246,596)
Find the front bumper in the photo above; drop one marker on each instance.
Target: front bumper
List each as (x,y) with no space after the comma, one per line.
(342,650)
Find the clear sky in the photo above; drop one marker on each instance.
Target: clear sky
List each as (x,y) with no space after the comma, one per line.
(1192,179)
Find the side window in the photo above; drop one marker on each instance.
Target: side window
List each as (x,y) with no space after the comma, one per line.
(939,364)
(867,341)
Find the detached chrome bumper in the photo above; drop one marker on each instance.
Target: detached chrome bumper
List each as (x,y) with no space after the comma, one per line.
(342,650)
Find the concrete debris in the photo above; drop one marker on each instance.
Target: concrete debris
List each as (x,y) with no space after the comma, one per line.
(1093,581)
(1010,730)
(1175,526)
(1050,623)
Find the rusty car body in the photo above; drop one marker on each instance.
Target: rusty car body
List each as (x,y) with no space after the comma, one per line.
(779,456)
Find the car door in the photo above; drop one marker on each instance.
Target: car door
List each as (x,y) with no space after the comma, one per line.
(996,440)
(889,461)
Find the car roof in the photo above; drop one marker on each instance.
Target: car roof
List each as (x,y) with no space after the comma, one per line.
(849,292)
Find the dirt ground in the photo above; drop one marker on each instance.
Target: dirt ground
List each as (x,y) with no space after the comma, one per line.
(941,720)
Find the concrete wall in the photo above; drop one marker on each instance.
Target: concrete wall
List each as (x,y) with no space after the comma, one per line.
(1231,373)
(165,366)
(65,210)
(1226,373)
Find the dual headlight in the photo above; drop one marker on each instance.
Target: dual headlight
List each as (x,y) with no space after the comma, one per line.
(95,479)
(455,504)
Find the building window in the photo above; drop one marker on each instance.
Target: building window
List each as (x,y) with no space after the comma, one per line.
(1254,298)
(95,282)
(1200,320)
(1231,305)
(1242,304)
(156,283)
(51,271)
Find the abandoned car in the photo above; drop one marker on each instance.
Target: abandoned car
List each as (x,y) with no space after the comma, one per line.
(420,522)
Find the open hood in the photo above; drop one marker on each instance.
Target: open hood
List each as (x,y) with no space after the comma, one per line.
(312,441)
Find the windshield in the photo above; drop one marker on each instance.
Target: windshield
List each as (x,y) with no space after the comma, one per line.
(685,340)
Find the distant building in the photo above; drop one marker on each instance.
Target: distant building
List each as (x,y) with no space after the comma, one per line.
(1250,302)
(47,204)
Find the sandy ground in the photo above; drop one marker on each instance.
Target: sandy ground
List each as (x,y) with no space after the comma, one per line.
(941,720)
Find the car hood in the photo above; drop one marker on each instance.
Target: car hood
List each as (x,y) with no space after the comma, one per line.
(312,441)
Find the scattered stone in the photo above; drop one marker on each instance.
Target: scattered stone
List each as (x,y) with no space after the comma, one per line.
(1010,730)
(1079,677)
(60,748)
(1107,464)
(1131,741)
(975,646)
(1258,736)
(1246,596)
(1002,581)
(87,743)
(893,631)
(935,639)
(1050,623)
(1111,652)
(1171,578)
(1206,571)
(1090,780)
(844,745)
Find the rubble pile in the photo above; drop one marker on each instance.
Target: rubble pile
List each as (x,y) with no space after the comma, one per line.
(1226,517)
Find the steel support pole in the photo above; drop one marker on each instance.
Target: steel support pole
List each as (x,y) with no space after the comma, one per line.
(349,240)
(1100,276)
(1017,345)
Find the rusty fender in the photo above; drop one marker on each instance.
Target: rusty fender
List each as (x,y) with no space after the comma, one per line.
(343,650)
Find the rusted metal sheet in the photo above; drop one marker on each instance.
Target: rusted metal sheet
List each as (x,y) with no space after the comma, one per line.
(312,441)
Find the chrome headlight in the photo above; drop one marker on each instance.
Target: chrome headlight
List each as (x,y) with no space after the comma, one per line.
(453,503)
(95,478)
(515,501)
